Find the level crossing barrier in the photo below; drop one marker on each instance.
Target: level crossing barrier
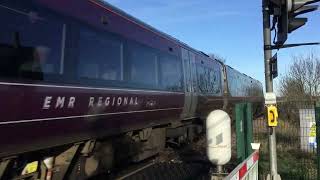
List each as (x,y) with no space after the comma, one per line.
(247,170)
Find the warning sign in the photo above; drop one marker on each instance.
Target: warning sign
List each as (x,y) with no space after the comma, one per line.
(313,130)
(308,133)
(313,134)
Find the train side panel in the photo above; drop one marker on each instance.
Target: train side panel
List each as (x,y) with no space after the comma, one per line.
(63,80)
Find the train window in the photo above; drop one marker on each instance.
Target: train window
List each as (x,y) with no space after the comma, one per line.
(233,82)
(187,70)
(142,65)
(209,79)
(171,73)
(202,79)
(30,42)
(215,81)
(194,71)
(206,79)
(100,56)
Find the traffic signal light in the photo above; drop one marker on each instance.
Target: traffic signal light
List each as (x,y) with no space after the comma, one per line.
(288,10)
(273,65)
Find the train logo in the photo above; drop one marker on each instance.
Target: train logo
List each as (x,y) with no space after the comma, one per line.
(69,102)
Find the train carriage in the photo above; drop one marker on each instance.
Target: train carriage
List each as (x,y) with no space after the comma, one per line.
(82,77)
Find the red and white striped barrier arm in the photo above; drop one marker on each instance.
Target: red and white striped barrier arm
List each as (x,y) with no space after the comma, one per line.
(244,168)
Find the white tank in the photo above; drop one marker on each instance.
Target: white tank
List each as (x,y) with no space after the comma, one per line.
(218,127)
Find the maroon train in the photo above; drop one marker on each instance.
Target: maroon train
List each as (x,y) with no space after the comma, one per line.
(85,87)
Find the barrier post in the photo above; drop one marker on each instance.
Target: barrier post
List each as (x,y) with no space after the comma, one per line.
(240,133)
(244,130)
(249,129)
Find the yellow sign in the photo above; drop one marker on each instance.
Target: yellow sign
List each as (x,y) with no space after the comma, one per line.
(272,116)
(313,130)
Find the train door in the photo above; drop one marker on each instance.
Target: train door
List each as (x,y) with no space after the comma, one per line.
(194,83)
(188,110)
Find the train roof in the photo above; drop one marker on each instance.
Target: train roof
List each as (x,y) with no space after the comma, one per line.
(242,73)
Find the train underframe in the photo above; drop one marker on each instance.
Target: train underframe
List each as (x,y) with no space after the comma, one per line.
(90,157)
(85,159)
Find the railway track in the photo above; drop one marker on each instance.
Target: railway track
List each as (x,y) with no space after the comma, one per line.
(179,163)
(165,171)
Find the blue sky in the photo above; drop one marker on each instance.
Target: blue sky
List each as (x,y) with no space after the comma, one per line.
(232,30)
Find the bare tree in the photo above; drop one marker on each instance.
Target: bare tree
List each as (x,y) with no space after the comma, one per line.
(300,86)
(303,78)
(217,57)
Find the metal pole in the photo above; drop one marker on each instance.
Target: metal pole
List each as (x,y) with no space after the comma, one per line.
(269,86)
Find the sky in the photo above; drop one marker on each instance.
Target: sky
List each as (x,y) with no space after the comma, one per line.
(231,30)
